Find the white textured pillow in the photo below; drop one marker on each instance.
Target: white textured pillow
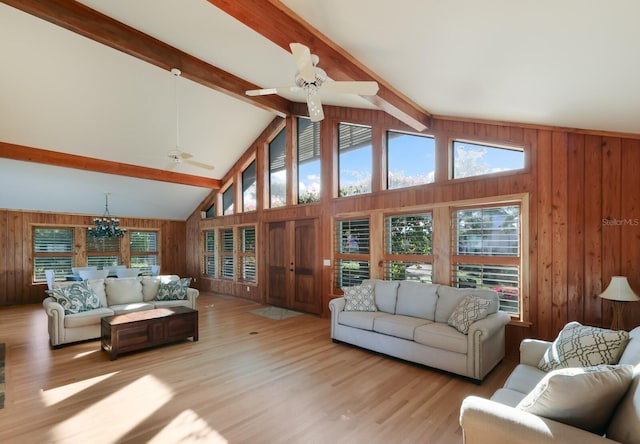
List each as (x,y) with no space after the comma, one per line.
(582,397)
(468,311)
(123,290)
(359,298)
(579,345)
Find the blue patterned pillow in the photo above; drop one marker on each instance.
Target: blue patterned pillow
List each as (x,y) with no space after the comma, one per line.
(76,298)
(173,290)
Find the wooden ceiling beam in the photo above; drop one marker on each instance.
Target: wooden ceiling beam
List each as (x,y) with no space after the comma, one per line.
(29,154)
(89,23)
(275,21)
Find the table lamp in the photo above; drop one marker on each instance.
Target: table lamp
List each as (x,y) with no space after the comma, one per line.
(619,292)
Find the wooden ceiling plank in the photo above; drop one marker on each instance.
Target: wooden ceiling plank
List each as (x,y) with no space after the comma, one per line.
(30,154)
(92,24)
(275,21)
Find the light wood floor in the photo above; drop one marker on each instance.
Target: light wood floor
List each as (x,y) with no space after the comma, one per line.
(248,380)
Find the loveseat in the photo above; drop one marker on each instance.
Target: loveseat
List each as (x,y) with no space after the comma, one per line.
(578,404)
(74,309)
(415,322)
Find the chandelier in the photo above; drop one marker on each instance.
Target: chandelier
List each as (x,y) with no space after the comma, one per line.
(106,226)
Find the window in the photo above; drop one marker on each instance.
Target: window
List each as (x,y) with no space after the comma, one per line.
(211,211)
(210,254)
(278,170)
(487,250)
(248,254)
(411,160)
(144,250)
(355,159)
(227,254)
(472,159)
(103,251)
(408,249)
(249,188)
(52,250)
(352,252)
(309,164)
(227,201)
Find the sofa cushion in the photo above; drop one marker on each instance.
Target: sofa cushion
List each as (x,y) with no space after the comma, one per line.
(173,290)
(90,317)
(358,319)
(524,378)
(76,298)
(398,325)
(123,290)
(583,397)
(130,308)
(359,298)
(450,297)
(468,311)
(441,336)
(578,345)
(385,294)
(417,300)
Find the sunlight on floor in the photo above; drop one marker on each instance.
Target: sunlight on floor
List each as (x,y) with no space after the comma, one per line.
(122,411)
(188,427)
(59,394)
(87,353)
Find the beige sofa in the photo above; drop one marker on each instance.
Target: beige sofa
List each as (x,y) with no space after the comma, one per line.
(116,296)
(488,421)
(410,322)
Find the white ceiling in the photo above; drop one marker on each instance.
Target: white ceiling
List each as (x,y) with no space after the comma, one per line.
(571,64)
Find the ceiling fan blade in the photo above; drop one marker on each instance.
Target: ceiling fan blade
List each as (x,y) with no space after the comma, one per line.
(279,90)
(200,164)
(314,104)
(185,155)
(365,88)
(302,57)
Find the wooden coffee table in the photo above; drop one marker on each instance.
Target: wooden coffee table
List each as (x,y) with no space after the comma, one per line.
(143,329)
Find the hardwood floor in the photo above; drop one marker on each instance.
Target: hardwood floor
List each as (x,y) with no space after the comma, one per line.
(248,379)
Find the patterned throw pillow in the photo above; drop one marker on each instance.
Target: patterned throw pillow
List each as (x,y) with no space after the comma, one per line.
(468,311)
(579,345)
(583,397)
(359,298)
(173,290)
(76,298)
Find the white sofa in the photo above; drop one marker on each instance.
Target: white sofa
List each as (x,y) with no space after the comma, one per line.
(488,421)
(116,296)
(411,323)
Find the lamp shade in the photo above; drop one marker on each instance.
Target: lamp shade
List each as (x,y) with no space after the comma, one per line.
(619,290)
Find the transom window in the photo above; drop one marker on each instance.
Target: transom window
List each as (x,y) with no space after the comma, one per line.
(352,252)
(474,159)
(411,160)
(249,188)
(486,247)
(309,164)
(355,159)
(227,201)
(52,250)
(278,170)
(408,247)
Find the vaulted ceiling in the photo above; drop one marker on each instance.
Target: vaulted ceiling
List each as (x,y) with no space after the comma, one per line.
(87,100)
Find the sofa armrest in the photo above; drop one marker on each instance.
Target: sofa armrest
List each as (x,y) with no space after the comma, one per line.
(55,320)
(532,350)
(487,422)
(337,304)
(490,325)
(192,296)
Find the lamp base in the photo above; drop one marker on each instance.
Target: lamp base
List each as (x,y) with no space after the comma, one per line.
(618,311)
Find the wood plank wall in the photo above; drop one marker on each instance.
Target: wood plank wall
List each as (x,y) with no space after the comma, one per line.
(16,258)
(584,212)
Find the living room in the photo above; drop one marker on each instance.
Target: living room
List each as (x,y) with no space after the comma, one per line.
(575,191)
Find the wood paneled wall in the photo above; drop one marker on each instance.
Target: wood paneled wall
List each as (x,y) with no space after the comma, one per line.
(16,257)
(584,212)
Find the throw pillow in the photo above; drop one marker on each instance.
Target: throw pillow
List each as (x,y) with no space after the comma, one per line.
(581,397)
(579,345)
(173,290)
(468,311)
(359,298)
(76,298)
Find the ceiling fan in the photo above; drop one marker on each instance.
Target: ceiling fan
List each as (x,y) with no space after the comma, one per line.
(177,156)
(311,79)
